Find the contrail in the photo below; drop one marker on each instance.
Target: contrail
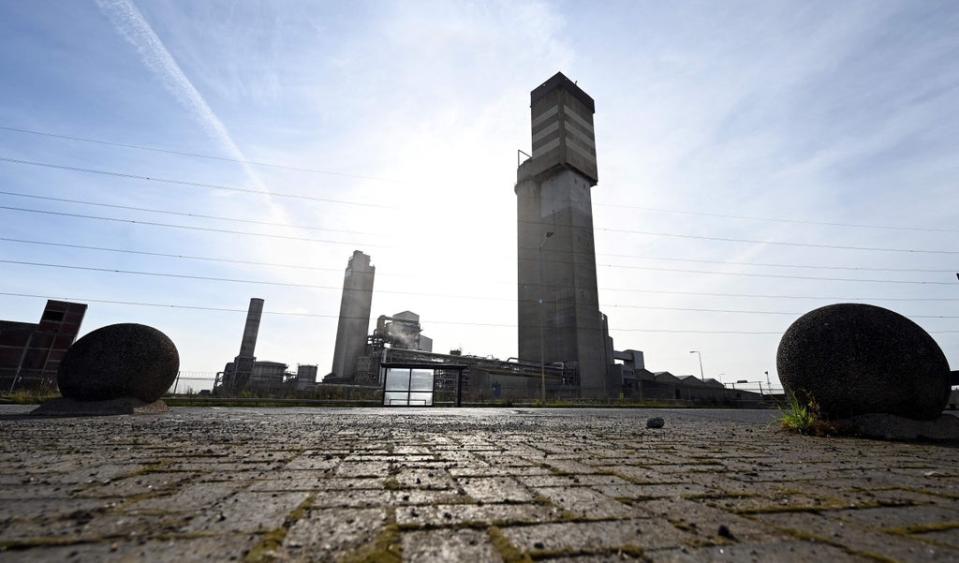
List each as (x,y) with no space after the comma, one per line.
(130,23)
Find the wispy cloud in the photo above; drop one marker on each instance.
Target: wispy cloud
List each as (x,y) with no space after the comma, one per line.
(130,23)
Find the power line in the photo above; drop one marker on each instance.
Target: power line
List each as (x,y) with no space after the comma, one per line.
(340,269)
(785,276)
(327,200)
(775,296)
(380,179)
(183,213)
(191,183)
(372,245)
(419,294)
(194,154)
(797,266)
(308,227)
(330,316)
(758,241)
(187,227)
(776,219)
(331,269)
(167,255)
(321,268)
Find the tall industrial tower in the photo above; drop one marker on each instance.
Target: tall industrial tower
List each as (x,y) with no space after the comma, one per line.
(243,363)
(354,323)
(558,301)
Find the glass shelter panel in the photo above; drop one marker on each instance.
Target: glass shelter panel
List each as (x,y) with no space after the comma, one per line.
(408,387)
(421,387)
(397,387)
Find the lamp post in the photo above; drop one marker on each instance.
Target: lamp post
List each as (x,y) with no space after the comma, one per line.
(542,322)
(700,355)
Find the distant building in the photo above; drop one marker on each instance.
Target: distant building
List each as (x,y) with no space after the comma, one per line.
(265,377)
(403,330)
(305,377)
(30,353)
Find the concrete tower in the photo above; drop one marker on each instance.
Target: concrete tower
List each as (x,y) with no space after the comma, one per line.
(558,302)
(243,363)
(354,323)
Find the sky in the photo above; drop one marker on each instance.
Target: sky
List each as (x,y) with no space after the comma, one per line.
(821,137)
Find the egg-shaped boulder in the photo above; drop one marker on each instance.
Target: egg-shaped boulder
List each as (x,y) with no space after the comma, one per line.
(119,361)
(854,359)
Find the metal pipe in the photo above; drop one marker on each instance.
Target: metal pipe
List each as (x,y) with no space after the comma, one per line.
(542,322)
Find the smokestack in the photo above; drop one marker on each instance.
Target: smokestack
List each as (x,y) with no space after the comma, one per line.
(354,322)
(253,314)
(243,363)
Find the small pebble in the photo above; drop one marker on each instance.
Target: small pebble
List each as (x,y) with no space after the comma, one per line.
(655,422)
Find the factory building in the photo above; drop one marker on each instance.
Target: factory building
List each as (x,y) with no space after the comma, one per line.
(354,322)
(403,330)
(30,353)
(305,378)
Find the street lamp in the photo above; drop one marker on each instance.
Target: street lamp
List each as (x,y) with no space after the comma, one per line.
(542,322)
(698,353)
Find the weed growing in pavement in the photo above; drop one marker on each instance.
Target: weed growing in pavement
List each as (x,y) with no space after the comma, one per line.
(805,418)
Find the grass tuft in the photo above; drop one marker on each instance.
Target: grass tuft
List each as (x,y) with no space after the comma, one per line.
(804,417)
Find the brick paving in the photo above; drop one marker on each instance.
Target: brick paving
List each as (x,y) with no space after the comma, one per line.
(471,484)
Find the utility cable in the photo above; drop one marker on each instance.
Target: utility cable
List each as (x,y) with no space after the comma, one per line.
(415,293)
(343,202)
(330,316)
(340,269)
(380,179)
(390,274)
(177,182)
(187,227)
(193,154)
(183,213)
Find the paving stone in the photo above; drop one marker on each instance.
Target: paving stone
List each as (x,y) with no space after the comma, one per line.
(419,496)
(651,491)
(449,545)
(787,552)
(28,492)
(321,534)
(948,538)
(313,461)
(177,550)
(343,484)
(21,509)
(899,516)
(424,479)
(571,480)
(363,469)
(581,502)
(588,537)
(495,489)
(705,521)
(289,481)
(247,512)
(353,498)
(135,485)
(459,514)
(860,540)
(191,498)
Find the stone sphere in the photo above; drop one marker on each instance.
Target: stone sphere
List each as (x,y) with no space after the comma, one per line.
(119,361)
(855,359)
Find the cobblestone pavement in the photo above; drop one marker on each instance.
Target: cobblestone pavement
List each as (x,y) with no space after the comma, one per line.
(483,484)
